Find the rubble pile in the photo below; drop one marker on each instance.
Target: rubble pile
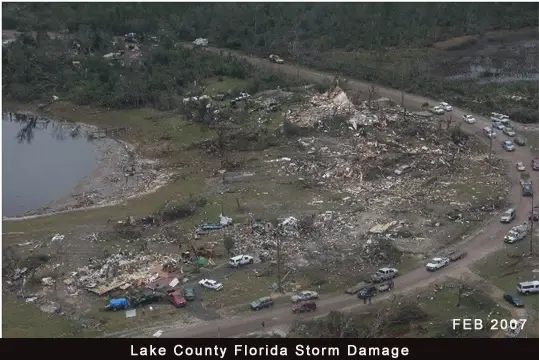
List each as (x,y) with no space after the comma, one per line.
(122,270)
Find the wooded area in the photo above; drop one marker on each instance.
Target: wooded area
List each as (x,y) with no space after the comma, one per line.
(305,33)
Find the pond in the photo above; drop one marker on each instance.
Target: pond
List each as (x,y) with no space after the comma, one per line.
(43,160)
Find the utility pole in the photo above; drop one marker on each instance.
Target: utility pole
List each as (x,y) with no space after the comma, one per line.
(279,262)
(490,149)
(531,227)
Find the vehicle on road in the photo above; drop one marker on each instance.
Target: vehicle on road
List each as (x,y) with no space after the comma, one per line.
(437,110)
(176,298)
(117,304)
(262,303)
(535,164)
(508,216)
(508,145)
(304,295)
(189,293)
(516,234)
(520,141)
(355,289)
(384,274)
(534,214)
(521,166)
(304,306)
(240,260)
(498,125)
(468,119)
(276,59)
(437,263)
(491,134)
(446,106)
(527,189)
(513,300)
(528,287)
(509,131)
(367,292)
(210,284)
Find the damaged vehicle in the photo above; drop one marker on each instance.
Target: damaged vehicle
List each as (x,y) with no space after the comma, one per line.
(355,289)
(516,234)
(189,293)
(384,274)
(520,166)
(402,169)
(508,216)
(117,304)
(261,303)
(534,214)
(367,292)
(469,119)
(176,298)
(446,106)
(304,306)
(240,260)
(146,299)
(509,131)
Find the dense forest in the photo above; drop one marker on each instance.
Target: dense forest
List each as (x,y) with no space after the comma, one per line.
(306,33)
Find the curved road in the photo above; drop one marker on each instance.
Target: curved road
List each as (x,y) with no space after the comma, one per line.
(484,242)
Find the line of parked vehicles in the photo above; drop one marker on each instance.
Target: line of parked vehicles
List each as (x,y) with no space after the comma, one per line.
(519,232)
(177,297)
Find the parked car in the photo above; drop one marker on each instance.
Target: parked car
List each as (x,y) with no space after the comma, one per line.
(535,164)
(210,284)
(240,260)
(446,106)
(508,145)
(145,298)
(513,300)
(508,216)
(276,59)
(468,119)
(520,166)
(189,293)
(367,292)
(528,287)
(437,263)
(527,189)
(491,134)
(520,141)
(355,289)
(437,110)
(498,125)
(304,306)
(384,274)
(176,298)
(304,295)
(264,302)
(534,214)
(509,131)
(516,234)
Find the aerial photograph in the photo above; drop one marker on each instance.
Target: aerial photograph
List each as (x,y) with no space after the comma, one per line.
(270,170)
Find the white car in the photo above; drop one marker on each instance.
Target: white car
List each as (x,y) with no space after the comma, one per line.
(240,260)
(402,169)
(437,110)
(520,166)
(304,295)
(468,119)
(509,131)
(498,125)
(437,263)
(446,106)
(210,284)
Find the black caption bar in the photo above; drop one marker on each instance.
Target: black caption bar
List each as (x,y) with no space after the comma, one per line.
(270,348)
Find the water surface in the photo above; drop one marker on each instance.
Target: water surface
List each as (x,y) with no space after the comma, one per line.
(42,164)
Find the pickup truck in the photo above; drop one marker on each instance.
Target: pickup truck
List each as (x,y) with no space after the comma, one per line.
(384,274)
(437,263)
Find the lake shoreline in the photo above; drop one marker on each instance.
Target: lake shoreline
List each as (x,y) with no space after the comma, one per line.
(107,185)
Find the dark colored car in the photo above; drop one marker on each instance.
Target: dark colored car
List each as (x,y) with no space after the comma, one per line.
(520,141)
(513,300)
(535,164)
(534,214)
(145,299)
(176,298)
(189,294)
(261,303)
(367,292)
(527,190)
(304,306)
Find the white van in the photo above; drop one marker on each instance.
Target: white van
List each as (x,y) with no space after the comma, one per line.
(240,260)
(528,287)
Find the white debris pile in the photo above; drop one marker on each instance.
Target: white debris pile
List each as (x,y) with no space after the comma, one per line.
(322,107)
(124,267)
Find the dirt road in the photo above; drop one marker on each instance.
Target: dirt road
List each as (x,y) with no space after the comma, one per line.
(479,245)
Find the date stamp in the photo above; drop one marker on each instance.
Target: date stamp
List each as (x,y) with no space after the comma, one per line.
(489,324)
